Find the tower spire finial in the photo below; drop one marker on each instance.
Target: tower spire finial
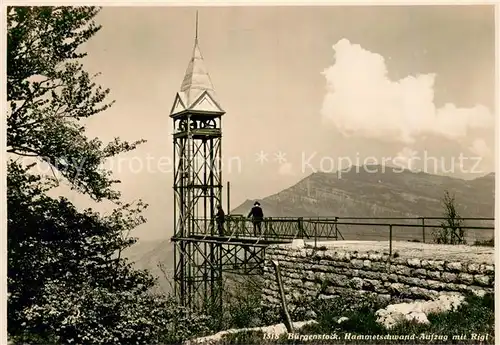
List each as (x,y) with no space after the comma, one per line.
(196,32)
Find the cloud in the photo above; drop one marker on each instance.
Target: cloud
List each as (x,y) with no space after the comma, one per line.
(286,169)
(480,148)
(362,101)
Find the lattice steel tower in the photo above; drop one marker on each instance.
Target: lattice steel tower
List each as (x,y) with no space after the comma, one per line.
(197,118)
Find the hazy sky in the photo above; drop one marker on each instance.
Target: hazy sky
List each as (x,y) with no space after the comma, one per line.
(323,85)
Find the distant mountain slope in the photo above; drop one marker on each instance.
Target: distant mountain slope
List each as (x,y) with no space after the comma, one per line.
(149,254)
(378,194)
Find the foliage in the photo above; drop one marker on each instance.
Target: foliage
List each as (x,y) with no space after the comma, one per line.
(451,230)
(185,325)
(242,302)
(65,273)
(355,306)
(486,243)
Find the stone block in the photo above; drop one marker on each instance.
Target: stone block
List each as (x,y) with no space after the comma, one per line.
(488,269)
(338,279)
(372,285)
(384,298)
(482,280)
(437,265)
(478,291)
(420,293)
(296,295)
(412,281)
(393,277)
(340,264)
(454,266)
(378,266)
(308,284)
(397,288)
(462,287)
(369,274)
(465,278)
(473,268)
(434,274)
(356,283)
(400,270)
(448,277)
(420,272)
(435,285)
(357,263)
(414,263)
(325,263)
(319,276)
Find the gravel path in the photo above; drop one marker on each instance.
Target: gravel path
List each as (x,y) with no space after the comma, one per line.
(418,250)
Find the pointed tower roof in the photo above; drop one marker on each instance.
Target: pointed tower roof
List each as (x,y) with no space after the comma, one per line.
(197,92)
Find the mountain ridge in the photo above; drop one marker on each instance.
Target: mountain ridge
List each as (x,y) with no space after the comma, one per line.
(416,189)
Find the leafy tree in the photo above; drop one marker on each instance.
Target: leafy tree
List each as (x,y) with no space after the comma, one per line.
(49,92)
(67,281)
(62,261)
(451,230)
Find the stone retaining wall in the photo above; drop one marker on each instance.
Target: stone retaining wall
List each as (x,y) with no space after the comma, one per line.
(418,272)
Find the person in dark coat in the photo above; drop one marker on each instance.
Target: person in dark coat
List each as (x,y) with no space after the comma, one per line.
(257,216)
(220,218)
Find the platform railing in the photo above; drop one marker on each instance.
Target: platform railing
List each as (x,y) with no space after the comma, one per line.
(416,229)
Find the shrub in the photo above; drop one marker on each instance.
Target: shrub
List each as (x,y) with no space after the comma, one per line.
(486,243)
(451,230)
(95,315)
(243,302)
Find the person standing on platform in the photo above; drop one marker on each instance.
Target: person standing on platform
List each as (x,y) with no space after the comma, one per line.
(257,216)
(220,218)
